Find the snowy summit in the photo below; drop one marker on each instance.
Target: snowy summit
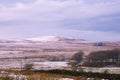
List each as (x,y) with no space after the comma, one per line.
(45,38)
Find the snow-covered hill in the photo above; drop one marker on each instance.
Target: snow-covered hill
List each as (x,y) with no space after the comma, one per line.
(54,39)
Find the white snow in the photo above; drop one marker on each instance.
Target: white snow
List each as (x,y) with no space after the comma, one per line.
(50,65)
(45,38)
(65,79)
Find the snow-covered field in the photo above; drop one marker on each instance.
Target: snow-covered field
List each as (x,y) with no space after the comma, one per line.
(50,65)
(112,70)
(19,64)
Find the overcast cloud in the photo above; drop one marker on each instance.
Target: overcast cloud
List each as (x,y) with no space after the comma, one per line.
(86,19)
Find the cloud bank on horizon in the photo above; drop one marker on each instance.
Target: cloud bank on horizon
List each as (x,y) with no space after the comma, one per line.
(87,19)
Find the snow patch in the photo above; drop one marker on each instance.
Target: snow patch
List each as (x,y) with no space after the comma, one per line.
(45,38)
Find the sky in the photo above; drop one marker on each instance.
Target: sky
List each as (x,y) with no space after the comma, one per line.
(95,20)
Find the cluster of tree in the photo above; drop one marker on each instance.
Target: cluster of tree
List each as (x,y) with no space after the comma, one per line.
(103,58)
(76,60)
(78,57)
(97,59)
